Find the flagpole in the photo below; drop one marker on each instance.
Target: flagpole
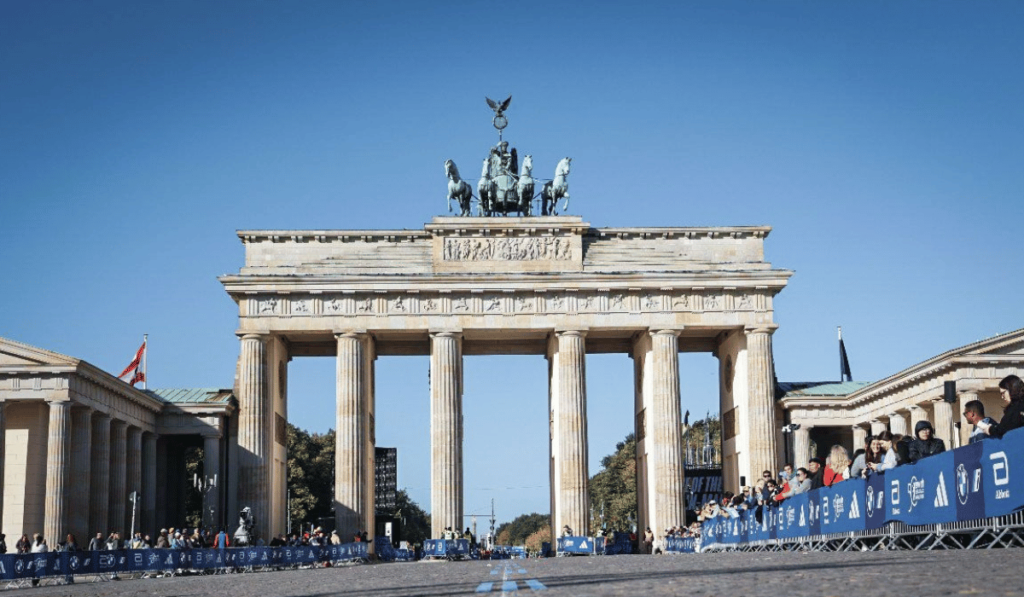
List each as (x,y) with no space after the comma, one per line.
(841,370)
(145,361)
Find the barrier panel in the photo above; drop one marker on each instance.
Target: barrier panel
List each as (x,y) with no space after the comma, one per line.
(981,480)
(581,545)
(681,545)
(15,567)
(388,553)
(446,548)
(622,545)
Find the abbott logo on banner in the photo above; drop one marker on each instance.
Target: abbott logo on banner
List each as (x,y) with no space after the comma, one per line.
(894,496)
(1001,473)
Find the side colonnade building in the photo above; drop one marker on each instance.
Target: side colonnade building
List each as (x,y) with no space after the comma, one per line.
(550,286)
(75,442)
(846,413)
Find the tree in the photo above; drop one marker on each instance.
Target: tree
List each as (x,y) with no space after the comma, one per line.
(415,523)
(613,489)
(525,525)
(310,476)
(534,541)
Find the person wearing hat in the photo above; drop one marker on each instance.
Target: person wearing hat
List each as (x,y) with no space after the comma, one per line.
(817,473)
(925,443)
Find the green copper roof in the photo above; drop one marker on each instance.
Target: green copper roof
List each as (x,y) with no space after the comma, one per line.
(791,389)
(192,395)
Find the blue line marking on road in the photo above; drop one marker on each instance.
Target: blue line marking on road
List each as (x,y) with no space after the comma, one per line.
(522,571)
(485,587)
(536,585)
(509,585)
(495,571)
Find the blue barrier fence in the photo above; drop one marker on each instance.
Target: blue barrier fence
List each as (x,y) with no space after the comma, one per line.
(581,545)
(446,548)
(15,567)
(980,480)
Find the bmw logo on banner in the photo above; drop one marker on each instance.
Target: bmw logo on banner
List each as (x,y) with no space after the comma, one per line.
(970,482)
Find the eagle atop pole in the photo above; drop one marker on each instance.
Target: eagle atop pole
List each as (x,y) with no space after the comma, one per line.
(499,121)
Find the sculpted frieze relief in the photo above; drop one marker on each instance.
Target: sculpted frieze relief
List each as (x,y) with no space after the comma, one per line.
(384,304)
(508,249)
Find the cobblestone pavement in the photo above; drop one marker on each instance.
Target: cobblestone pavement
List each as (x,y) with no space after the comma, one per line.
(906,574)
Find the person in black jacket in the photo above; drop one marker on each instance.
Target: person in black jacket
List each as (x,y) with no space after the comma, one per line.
(1011,390)
(925,444)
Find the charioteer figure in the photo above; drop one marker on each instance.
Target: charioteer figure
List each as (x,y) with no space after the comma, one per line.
(502,188)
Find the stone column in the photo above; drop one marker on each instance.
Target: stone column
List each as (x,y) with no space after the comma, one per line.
(801,448)
(118,476)
(133,479)
(55,524)
(149,489)
(860,435)
(3,445)
(211,470)
(254,414)
(667,440)
(163,500)
(570,405)
(81,474)
(877,427)
(761,390)
(897,423)
(352,474)
(965,427)
(917,414)
(99,485)
(943,422)
(446,491)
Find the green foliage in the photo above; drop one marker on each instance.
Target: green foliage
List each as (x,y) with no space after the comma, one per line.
(614,488)
(311,485)
(516,532)
(415,523)
(193,497)
(310,476)
(693,439)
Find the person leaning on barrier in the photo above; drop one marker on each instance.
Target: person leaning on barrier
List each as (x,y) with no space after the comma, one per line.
(901,443)
(787,473)
(838,468)
(974,412)
(890,460)
(925,443)
(801,484)
(566,531)
(1011,390)
(3,544)
(816,474)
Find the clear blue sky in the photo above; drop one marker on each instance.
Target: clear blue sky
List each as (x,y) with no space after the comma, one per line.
(882,141)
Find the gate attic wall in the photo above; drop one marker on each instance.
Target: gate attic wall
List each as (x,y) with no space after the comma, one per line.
(519,286)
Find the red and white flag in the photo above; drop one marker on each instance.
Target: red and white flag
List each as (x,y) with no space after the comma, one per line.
(135,369)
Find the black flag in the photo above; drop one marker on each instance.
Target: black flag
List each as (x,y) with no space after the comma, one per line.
(844,361)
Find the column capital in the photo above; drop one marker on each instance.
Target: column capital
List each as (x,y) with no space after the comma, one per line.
(765,328)
(211,434)
(59,402)
(581,332)
(445,333)
(675,331)
(118,423)
(858,427)
(100,415)
(261,336)
(357,334)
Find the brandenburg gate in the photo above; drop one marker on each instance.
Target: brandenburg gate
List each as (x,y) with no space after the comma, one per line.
(546,285)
